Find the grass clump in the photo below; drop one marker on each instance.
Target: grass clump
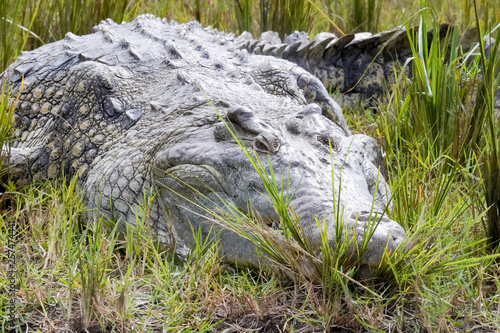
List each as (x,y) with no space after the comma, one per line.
(446,124)
(15,26)
(485,101)
(77,275)
(7,108)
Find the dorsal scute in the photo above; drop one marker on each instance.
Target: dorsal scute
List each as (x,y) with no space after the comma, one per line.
(103,24)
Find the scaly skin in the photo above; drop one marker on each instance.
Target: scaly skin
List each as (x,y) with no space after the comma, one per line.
(359,66)
(122,107)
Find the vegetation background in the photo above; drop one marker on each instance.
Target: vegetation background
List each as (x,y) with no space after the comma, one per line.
(440,133)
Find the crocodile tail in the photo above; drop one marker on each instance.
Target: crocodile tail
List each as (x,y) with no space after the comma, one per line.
(357,65)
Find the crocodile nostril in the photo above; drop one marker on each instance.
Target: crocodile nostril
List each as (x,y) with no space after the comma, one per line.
(276,144)
(293,125)
(329,140)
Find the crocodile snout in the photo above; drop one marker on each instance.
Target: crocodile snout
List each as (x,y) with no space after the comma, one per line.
(383,234)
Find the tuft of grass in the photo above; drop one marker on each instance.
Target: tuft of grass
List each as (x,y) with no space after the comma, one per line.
(445,121)
(27,24)
(83,276)
(16,29)
(243,13)
(95,251)
(75,15)
(7,109)
(285,16)
(437,111)
(485,101)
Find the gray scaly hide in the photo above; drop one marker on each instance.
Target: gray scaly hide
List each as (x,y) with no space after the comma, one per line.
(123,107)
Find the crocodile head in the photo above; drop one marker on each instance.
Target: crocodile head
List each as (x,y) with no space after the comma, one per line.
(131,109)
(312,159)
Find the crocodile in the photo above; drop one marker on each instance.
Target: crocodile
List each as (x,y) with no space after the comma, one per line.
(131,109)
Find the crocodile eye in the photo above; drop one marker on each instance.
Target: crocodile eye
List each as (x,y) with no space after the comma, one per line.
(267,143)
(260,145)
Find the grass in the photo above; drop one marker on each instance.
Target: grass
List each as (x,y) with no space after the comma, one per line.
(440,135)
(134,284)
(27,24)
(491,169)
(7,108)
